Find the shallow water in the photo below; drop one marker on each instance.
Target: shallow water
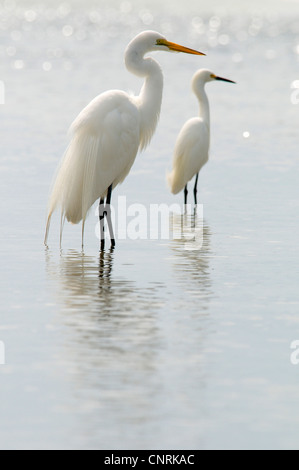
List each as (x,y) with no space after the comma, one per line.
(162,343)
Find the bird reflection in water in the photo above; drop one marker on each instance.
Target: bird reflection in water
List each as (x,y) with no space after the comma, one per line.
(192,248)
(130,351)
(105,268)
(91,281)
(188,229)
(110,323)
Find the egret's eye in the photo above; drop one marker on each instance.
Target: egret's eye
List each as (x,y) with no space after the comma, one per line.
(160,42)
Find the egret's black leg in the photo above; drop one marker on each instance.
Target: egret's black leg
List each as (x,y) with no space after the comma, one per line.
(108,215)
(185,195)
(195,190)
(102,223)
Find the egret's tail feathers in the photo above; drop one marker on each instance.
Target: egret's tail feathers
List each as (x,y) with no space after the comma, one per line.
(62,220)
(174,182)
(75,188)
(82,234)
(47,229)
(169,180)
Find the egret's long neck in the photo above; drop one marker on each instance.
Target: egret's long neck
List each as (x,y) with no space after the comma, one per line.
(204,107)
(150,98)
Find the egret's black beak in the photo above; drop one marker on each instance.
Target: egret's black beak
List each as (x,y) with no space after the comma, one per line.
(224,79)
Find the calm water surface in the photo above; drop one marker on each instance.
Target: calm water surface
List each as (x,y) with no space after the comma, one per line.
(152,345)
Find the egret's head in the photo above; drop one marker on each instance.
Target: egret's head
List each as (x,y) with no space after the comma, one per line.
(148,41)
(203,76)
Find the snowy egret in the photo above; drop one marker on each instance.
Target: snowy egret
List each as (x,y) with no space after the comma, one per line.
(107,135)
(191,150)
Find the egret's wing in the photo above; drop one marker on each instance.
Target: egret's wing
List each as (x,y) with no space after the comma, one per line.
(103,147)
(190,154)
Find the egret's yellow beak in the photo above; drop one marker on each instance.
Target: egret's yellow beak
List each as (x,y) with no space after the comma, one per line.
(177,47)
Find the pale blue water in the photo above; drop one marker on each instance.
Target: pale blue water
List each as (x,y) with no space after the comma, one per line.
(152,346)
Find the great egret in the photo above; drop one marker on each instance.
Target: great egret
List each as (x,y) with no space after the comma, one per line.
(191,150)
(107,135)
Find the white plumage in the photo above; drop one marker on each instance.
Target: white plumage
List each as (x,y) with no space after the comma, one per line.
(103,148)
(191,150)
(191,153)
(107,134)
